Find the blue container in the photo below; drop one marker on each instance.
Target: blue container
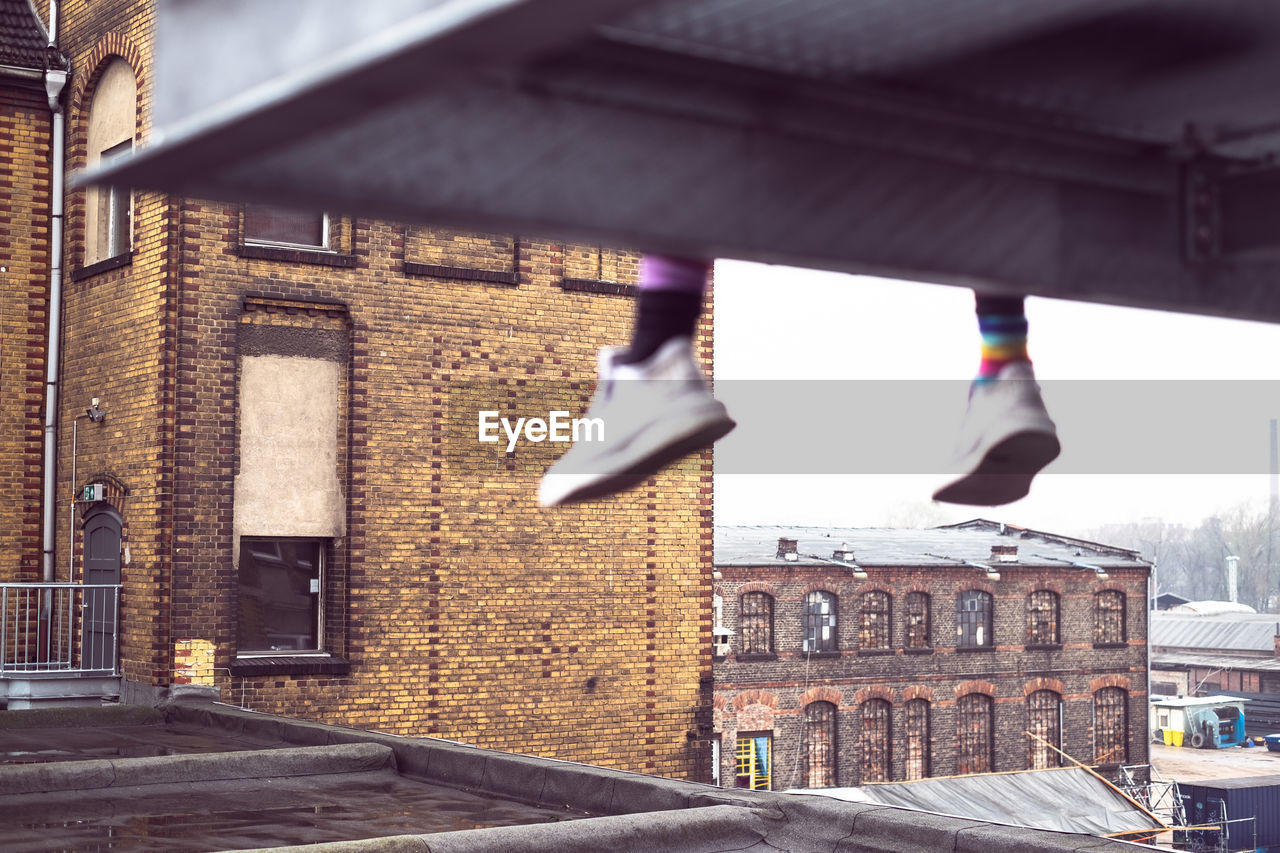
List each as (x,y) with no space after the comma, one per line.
(1256,797)
(1273,742)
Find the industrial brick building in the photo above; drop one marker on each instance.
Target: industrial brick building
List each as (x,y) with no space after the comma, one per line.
(268,434)
(845,656)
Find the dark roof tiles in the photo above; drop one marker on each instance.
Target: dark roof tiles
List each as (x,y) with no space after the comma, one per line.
(23,38)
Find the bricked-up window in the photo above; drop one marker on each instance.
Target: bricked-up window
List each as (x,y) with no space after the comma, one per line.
(918,620)
(754,762)
(1042,618)
(974,734)
(873,632)
(755,623)
(113,119)
(818,745)
(280,595)
(917,739)
(1111,726)
(873,747)
(266,224)
(819,622)
(973,620)
(1044,720)
(1108,616)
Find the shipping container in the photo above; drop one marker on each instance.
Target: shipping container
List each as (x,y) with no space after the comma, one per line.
(1249,807)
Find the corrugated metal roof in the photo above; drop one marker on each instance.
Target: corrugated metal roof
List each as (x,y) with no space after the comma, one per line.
(1212,661)
(1239,632)
(23,37)
(939,546)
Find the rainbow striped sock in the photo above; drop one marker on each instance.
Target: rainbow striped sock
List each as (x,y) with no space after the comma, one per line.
(1004,340)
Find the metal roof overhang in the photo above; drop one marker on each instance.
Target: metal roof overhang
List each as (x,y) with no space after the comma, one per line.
(1119,151)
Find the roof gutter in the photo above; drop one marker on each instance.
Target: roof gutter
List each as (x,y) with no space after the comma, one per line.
(54,81)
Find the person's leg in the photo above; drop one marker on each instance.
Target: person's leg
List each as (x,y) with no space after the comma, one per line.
(1007,435)
(651,397)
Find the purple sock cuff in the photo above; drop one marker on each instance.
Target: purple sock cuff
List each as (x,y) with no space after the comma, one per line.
(685,275)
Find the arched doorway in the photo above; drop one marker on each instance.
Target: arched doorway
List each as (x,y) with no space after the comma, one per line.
(102,529)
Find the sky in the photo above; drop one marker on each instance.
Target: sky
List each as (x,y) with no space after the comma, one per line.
(780,323)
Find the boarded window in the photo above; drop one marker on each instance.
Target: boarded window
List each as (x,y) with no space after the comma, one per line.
(1042,618)
(917,739)
(112,126)
(1110,726)
(974,741)
(819,622)
(918,620)
(873,633)
(754,760)
(1044,721)
(973,620)
(755,622)
(819,745)
(875,752)
(1108,617)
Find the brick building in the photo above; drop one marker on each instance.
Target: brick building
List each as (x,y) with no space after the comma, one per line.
(293,493)
(845,656)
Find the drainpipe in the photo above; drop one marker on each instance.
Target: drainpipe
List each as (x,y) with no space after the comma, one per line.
(54,80)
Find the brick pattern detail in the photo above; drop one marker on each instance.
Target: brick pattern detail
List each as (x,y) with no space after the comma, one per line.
(1035,684)
(821,694)
(193,662)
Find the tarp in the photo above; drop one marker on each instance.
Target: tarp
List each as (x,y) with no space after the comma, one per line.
(1067,799)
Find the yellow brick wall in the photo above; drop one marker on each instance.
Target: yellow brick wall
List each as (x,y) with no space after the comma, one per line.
(465,611)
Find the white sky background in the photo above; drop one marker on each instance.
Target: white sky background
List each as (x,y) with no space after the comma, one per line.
(785,323)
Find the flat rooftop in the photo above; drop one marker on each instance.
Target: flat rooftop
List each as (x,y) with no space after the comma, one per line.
(200,776)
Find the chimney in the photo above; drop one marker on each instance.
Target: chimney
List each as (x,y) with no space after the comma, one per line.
(787,550)
(1233,578)
(1004,553)
(1276,641)
(844,554)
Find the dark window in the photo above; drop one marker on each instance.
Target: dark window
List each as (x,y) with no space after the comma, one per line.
(1110,726)
(819,622)
(875,752)
(1108,617)
(1044,720)
(264,223)
(819,745)
(755,621)
(918,620)
(973,620)
(917,739)
(280,598)
(874,630)
(1042,618)
(974,742)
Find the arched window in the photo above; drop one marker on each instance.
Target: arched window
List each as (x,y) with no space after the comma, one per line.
(975,744)
(819,745)
(1111,726)
(1042,618)
(1108,617)
(755,622)
(918,620)
(973,620)
(873,632)
(113,119)
(819,622)
(917,739)
(875,752)
(1044,720)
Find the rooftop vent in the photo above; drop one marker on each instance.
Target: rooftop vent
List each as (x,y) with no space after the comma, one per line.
(787,549)
(1004,553)
(844,553)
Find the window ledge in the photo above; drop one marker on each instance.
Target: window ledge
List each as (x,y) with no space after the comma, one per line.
(991,648)
(833,653)
(1110,645)
(926,650)
(756,656)
(414,268)
(1043,647)
(873,652)
(319,257)
(121,260)
(290,665)
(592,285)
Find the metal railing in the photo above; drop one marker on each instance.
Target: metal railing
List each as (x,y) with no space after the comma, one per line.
(64,628)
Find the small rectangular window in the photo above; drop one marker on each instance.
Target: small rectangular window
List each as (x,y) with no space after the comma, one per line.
(115,209)
(281,581)
(269,225)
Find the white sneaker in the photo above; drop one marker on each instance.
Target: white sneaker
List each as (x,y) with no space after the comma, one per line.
(1006,438)
(654,412)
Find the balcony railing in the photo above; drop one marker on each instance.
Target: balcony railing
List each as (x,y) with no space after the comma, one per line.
(62,628)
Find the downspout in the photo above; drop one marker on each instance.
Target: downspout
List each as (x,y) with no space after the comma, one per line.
(54,80)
